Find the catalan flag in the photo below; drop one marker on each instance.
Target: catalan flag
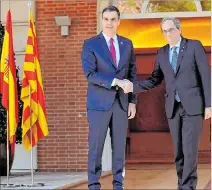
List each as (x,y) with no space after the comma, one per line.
(32,94)
(8,81)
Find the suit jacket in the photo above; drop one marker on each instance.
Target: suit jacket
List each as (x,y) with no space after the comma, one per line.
(100,71)
(192,80)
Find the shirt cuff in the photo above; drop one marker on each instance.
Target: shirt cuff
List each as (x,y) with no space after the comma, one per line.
(114,82)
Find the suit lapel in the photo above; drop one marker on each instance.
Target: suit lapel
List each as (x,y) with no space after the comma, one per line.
(183,46)
(106,49)
(121,51)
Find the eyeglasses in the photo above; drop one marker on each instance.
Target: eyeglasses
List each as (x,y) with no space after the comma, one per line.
(171,30)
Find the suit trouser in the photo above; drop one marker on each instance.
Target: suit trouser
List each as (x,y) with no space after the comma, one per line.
(185,131)
(117,120)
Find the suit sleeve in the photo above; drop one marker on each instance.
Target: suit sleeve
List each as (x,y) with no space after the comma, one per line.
(154,80)
(132,74)
(204,71)
(90,68)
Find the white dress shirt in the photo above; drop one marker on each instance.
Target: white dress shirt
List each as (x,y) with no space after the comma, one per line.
(116,45)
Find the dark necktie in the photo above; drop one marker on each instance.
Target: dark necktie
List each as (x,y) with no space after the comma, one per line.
(174,67)
(174,59)
(113,51)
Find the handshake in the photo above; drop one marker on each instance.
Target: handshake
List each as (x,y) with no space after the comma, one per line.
(125,84)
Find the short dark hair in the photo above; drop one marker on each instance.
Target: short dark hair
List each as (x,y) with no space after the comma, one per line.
(110,9)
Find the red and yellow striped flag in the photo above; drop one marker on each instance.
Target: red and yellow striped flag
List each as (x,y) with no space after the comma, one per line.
(8,81)
(32,94)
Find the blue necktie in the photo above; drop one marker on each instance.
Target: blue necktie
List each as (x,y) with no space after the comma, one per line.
(174,59)
(174,67)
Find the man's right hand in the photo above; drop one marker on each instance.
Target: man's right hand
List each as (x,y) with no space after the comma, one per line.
(125,84)
(208,113)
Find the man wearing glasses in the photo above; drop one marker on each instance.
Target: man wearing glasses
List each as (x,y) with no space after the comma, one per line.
(182,63)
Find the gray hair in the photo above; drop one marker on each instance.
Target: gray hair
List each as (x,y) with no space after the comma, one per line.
(175,21)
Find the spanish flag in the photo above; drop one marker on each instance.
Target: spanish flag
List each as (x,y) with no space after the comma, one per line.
(8,81)
(32,94)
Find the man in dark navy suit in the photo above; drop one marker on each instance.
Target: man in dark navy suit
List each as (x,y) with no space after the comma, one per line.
(182,63)
(106,58)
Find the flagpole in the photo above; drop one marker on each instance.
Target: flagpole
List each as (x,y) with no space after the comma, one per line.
(32,172)
(31,122)
(8,154)
(8,159)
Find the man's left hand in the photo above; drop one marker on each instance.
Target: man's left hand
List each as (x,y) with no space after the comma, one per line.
(125,84)
(207,113)
(131,111)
